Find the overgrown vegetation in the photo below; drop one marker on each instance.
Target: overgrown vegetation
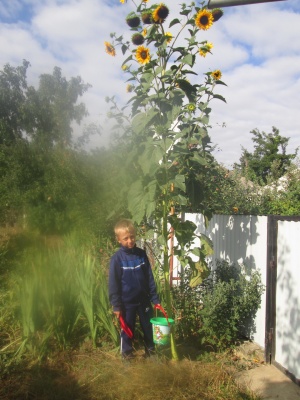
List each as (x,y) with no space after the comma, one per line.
(59,338)
(55,298)
(59,202)
(221,310)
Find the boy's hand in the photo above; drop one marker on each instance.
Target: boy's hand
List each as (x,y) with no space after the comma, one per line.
(117,314)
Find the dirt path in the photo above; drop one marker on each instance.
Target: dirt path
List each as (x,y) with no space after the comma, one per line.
(265,380)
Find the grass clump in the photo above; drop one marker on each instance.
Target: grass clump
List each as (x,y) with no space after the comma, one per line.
(94,374)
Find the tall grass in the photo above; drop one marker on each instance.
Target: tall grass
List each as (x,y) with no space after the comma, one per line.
(63,298)
(85,273)
(106,319)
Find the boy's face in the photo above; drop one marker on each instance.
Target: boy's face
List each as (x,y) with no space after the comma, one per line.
(126,238)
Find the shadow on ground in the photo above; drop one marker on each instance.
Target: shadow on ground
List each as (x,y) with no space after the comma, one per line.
(41,383)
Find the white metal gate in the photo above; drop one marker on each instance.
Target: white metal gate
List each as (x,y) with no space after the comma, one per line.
(270,244)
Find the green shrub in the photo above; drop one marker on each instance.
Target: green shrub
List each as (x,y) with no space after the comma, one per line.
(187,303)
(229,305)
(221,309)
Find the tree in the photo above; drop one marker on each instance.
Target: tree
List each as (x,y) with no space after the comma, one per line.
(269,161)
(54,108)
(35,131)
(13,98)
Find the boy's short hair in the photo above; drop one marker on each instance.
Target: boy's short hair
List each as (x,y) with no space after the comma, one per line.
(124,225)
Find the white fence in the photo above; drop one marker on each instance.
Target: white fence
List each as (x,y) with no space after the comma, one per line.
(287,332)
(245,240)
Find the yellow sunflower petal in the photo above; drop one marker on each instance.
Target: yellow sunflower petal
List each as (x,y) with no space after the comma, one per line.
(217,74)
(142,55)
(109,48)
(204,19)
(169,37)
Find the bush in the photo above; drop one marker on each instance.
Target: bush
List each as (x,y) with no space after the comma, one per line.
(187,303)
(221,309)
(229,305)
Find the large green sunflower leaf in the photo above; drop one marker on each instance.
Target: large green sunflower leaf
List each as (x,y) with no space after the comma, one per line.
(136,201)
(143,120)
(179,182)
(149,159)
(207,244)
(201,272)
(188,59)
(151,203)
(199,159)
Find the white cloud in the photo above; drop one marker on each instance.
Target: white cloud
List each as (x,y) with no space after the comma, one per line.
(256,48)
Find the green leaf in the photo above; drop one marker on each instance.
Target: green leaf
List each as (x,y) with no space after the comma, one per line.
(124,48)
(179,182)
(149,159)
(185,12)
(143,120)
(199,159)
(207,244)
(127,59)
(218,96)
(150,192)
(174,22)
(181,200)
(136,201)
(201,272)
(188,59)
(220,83)
(196,251)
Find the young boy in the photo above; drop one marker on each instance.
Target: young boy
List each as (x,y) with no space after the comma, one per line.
(132,287)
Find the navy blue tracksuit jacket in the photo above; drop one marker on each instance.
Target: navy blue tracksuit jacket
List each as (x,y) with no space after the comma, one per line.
(131,280)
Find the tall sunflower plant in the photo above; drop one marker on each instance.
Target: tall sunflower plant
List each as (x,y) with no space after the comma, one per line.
(166,122)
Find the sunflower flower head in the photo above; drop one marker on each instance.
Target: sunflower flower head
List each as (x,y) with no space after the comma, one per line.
(142,55)
(109,48)
(217,75)
(137,39)
(205,49)
(191,107)
(204,19)
(122,1)
(129,88)
(125,67)
(169,37)
(147,17)
(160,14)
(217,14)
(133,20)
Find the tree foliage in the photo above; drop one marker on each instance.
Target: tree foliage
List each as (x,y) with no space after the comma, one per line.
(269,160)
(47,181)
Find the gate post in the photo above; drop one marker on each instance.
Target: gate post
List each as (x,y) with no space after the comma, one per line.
(270,345)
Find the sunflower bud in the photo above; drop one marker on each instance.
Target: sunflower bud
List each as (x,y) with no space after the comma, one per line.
(133,20)
(147,17)
(137,39)
(217,13)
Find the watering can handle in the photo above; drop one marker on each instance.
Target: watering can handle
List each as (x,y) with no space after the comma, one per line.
(159,307)
(125,327)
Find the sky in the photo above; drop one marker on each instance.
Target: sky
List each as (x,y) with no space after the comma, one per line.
(256,47)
